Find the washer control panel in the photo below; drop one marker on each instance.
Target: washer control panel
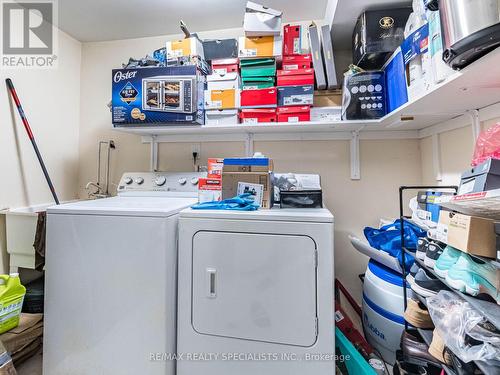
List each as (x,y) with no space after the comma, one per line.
(144,182)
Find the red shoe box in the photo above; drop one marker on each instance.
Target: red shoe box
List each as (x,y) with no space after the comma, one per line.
(294,114)
(291,40)
(254,115)
(224,66)
(259,98)
(298,77)
(297,62)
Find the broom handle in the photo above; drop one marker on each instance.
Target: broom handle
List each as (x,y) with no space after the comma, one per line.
(13,93)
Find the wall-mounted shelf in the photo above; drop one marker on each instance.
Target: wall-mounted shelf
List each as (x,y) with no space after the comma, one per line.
(474,88)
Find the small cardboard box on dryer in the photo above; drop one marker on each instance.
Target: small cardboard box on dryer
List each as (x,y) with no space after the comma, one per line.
(472,234)
(248,170)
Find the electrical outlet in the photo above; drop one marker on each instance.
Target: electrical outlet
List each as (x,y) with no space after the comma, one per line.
(196,147)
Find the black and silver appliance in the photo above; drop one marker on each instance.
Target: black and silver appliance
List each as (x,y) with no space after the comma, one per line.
(471,29)
(169,94)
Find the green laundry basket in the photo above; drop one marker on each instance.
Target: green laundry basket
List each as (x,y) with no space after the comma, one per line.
(355,363)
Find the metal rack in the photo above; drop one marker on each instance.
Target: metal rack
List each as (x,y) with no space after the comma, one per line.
(490,311)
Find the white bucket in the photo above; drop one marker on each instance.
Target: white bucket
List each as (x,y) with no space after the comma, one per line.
(383,309)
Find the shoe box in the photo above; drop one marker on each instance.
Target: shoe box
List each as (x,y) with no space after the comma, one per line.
(295,77)
(471,234)
(295,62)
(223,91)
(259,98)
(261,20)
(483,177)
(256,115)
(260,46)
(221,117)
(216,49)
(294,113)
(223,66)
(292,40)
(295,95)
(184,47)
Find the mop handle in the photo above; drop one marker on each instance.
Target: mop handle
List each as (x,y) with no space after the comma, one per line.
(13,93)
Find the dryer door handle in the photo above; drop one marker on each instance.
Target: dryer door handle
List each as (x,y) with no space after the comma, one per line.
(212,282)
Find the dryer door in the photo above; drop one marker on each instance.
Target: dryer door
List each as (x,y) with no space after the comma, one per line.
(255,286)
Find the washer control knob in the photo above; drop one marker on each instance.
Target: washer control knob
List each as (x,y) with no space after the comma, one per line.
(139,180)
(194,180)
(160,180)
(182,181)
(128,180)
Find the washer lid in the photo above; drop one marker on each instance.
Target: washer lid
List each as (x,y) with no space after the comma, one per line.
(125,206)
(319,215)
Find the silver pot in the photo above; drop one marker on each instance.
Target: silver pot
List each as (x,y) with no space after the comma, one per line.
(470,29)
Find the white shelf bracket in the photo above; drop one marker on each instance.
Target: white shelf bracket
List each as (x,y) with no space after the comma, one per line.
(249,151)
(436,157)
(476,123)
(153,166)
(355,160)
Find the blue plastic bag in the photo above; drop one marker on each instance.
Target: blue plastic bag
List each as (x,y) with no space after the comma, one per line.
(243,202)
(388,239)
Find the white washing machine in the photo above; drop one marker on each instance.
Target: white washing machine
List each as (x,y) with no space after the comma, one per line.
(111,280)
(255,292)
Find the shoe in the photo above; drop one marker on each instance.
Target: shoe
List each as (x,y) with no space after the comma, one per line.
(417,315)
(434,250)
(446,260)
(425,285)
(416,351)
(473,276)
(437,349)
(422,244)
(410,278)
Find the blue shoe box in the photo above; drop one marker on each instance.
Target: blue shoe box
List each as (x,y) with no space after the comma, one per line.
(295,95)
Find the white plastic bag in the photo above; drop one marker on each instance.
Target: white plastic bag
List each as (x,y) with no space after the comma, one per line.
(459,322)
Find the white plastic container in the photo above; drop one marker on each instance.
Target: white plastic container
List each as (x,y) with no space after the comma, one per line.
(383,309)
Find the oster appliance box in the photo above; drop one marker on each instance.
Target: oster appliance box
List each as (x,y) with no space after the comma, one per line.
(157,96)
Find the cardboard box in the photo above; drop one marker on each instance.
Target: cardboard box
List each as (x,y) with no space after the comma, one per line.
(248,170)
(256,115)
(185,47)
(263,67)
(157,96)
(261,20)
(221,117)
(319,69)
(223,66)
(225,81)
(197,61)
(364,96)
(260,46)
(295,77)
(209,190)
(215,167)
(327,47)
(253,83)
(294,114)
(328,98)
(472,235)
(220,49)
(442,226)
(297,62)
(376,36)
(295,95)
(326,114)
(259,98)
(292,40)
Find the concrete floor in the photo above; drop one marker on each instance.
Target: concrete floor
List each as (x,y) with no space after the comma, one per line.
(32,366)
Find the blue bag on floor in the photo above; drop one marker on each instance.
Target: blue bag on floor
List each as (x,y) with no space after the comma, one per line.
(388,239)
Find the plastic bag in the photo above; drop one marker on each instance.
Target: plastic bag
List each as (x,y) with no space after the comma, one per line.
(388,239)
(487,145)
(464,330)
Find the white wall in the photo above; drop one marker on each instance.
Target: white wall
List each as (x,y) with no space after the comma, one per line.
(385,165)
(51,101)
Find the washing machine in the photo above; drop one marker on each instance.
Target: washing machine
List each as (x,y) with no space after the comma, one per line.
(111,279)
(255,292)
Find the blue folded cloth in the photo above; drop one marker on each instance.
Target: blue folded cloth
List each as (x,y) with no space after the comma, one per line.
(243,202)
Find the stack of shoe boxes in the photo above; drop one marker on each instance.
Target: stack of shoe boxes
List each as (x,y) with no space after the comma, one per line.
(295,81)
